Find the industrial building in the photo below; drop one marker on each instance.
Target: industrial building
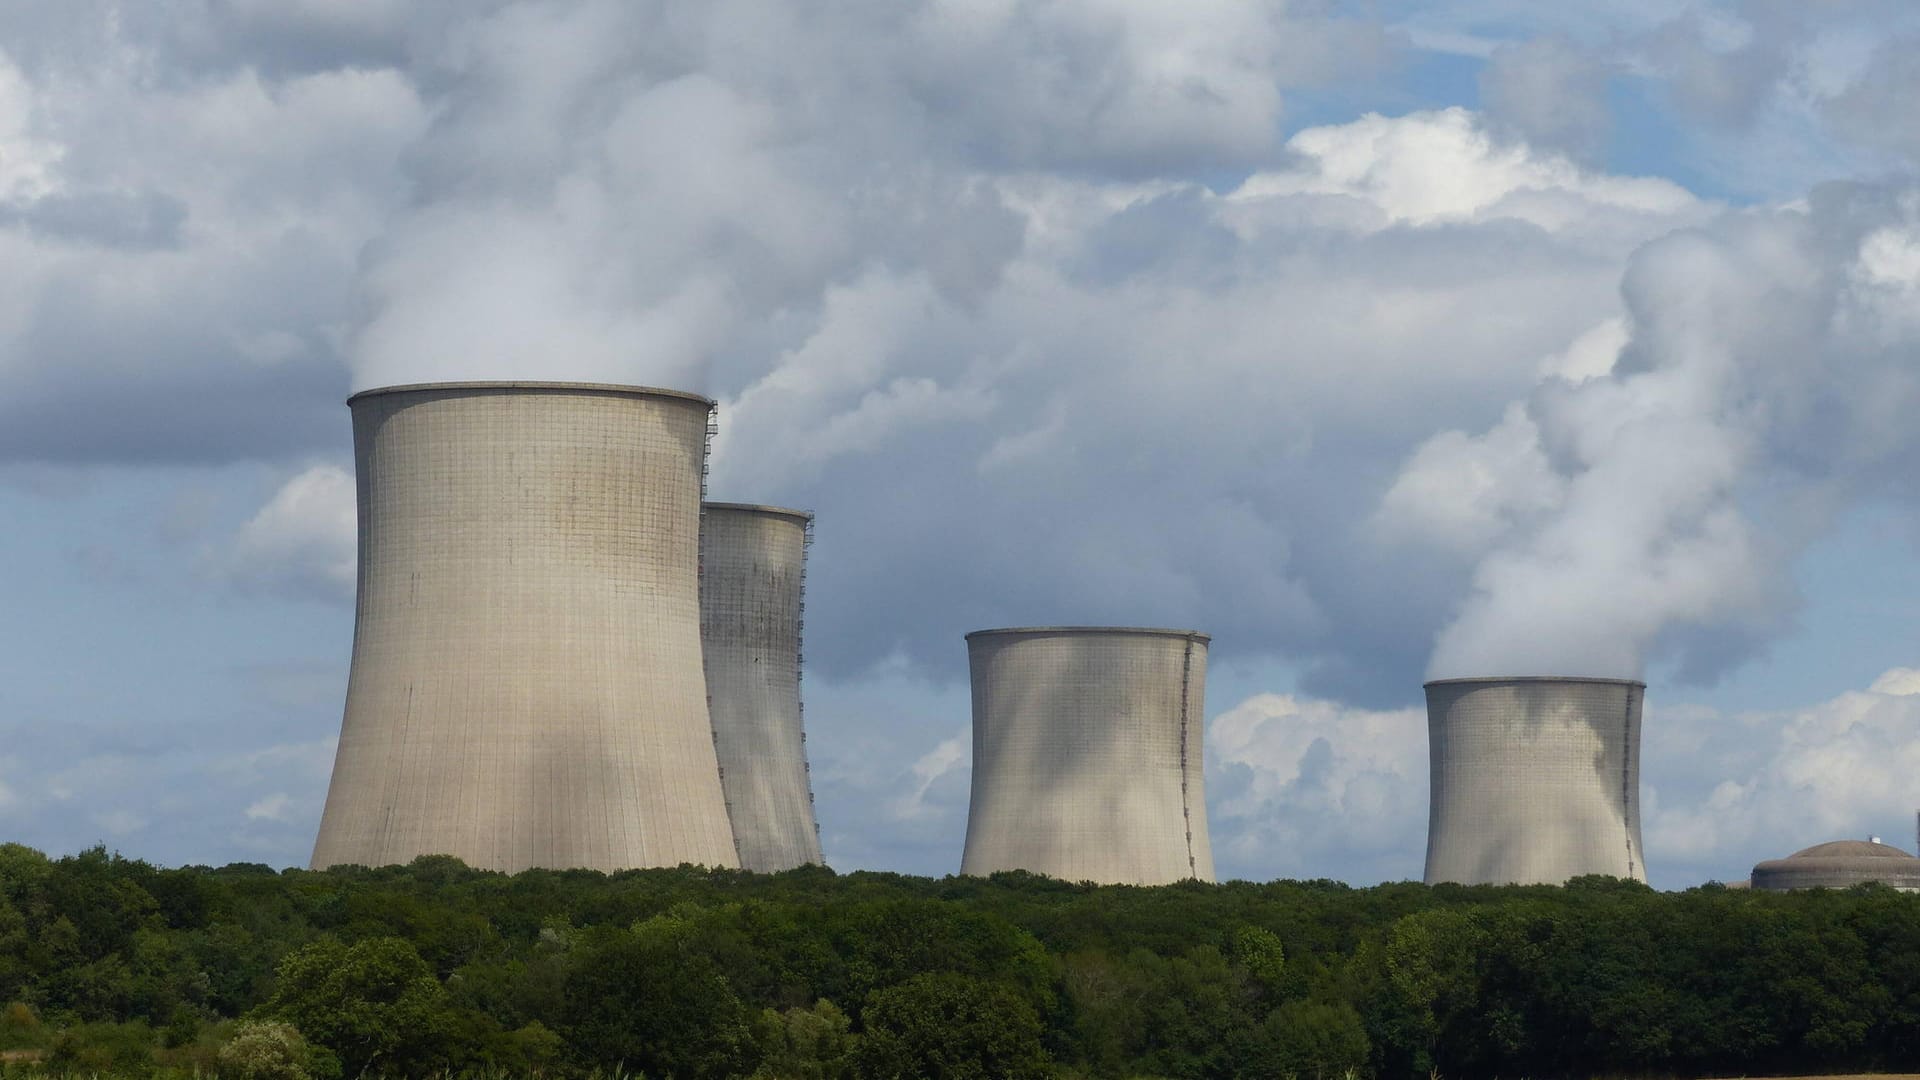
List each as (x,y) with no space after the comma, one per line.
(526,685)
(1535,780)
(1087,754)
(752,582)
(1838,864)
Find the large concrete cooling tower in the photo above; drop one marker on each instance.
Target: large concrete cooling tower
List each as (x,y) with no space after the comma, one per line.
(1086,754)
(526,686)
(1535,780)
(752,575)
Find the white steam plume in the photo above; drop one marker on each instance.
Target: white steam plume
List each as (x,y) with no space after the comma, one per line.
(1769,381)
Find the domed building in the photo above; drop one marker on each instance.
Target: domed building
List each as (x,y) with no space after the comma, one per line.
(1838,864)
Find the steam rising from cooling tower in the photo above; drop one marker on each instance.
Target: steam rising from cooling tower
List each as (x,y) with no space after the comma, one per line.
(1657,507)
(1086,754)
(753,570)
(1535,780)
(526,685)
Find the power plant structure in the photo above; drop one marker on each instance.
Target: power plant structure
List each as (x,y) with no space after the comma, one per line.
(752,600)
(1839,864)
(1087,754)
(1535,780)
(526,686)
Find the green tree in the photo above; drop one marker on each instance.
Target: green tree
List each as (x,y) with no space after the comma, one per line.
(375,1004)
(1259,951)
(1311,1040)
(648,1000)
(804,1044)
(946,1026)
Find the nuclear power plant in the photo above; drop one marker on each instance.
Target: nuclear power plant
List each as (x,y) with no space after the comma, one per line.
(526,685)
(1535,780)
(752,582)
(1087,753)
(563,658)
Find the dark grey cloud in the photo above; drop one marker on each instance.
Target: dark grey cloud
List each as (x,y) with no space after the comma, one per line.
(181,234)
(105,219)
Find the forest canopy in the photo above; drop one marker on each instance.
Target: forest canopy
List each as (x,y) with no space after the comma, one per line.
(111,964)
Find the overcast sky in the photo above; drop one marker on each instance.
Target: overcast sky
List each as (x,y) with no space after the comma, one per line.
(1381,341)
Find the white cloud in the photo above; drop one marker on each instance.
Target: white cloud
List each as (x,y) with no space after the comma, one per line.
(1296,785)
(304,540)
(1592,354)
(951,754)
(273,807)
(26,160)
(1445,166)
(1837,769)
(1462,492)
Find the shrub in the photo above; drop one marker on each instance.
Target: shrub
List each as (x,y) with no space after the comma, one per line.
(265,1050)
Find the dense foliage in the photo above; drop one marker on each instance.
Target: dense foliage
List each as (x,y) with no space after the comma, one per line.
(111,964)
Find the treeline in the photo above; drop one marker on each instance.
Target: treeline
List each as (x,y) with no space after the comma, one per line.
(113,965)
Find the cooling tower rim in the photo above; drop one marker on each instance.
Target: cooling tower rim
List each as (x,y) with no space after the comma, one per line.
(509,384)
(1142,631)
(1494,680)
(759,508)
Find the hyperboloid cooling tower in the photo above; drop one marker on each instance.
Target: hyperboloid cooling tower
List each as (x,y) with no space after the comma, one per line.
(752,576)
(1086,754)
(1535,780)
(526,687)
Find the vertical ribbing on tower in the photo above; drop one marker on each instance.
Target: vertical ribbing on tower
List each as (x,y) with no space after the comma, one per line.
(526,685)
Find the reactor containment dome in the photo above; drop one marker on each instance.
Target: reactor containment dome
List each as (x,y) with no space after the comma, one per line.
(1838,864)
(1086,754)
(526,685)
(1535,780)
(752,580)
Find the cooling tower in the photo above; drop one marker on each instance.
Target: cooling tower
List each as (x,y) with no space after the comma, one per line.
(526,687)
(1535,780)
(752,579)
(1086,754)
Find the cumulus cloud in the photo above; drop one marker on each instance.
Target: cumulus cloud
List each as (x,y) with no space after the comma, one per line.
(612,190)
(1782,780)
(303,541)
(1463,492)
(1448,166)
(1296,785)
(1173,406)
